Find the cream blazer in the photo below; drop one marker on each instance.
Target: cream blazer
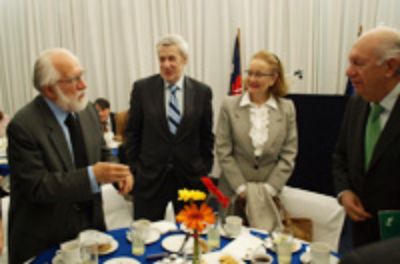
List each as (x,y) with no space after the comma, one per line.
(235,151)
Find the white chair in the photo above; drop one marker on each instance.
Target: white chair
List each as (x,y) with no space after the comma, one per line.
(5,203)
(324,211)
(117,210)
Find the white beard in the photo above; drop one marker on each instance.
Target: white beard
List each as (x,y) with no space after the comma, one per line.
(70,104)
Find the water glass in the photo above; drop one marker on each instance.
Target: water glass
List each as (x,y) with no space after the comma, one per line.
(319,253)
(284,244)
(213,237)
(137,238)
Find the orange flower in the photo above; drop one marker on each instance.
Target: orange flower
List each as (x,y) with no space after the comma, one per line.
(196,218)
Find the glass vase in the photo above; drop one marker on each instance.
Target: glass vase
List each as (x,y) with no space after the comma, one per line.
(196,248)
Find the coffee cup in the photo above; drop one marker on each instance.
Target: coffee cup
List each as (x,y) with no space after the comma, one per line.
(319,253)
(261,258)
(233,225)
(70,252)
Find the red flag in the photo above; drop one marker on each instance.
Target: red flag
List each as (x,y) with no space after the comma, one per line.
(222,199)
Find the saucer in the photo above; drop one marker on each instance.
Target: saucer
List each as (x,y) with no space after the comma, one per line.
(225,234)
(268,244)
(154,236)
(114,246)
(306,259)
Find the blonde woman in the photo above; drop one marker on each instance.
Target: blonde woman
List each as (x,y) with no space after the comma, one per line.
(256,139)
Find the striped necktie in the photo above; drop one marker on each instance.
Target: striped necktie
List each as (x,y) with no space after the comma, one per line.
(174,113)
(372,131)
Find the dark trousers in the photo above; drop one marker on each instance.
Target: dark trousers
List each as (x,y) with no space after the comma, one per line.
(153,208)
(365,232)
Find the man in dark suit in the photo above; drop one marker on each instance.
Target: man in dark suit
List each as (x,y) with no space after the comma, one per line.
(383,252)
(169,132)
(367,155)
(107,118)
(55,149)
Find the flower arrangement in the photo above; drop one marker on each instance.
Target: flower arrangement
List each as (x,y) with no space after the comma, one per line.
(195,216)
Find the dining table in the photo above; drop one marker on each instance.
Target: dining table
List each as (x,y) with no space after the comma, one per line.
(124,248)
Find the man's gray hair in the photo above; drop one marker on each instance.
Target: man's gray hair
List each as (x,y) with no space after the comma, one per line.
(44,72)
(389,44)
(174,39)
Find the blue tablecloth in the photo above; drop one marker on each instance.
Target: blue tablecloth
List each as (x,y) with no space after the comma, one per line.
(124,249)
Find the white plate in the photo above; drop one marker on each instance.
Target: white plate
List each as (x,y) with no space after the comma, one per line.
(114,246)
(154,236)
(186,230)
(268,243)
(305,258)
(224,234)
(173,243)
(122,260)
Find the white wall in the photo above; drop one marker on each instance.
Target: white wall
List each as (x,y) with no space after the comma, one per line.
(115,40)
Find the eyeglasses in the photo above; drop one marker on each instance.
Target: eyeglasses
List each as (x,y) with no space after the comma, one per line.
(72,80)
(258,74)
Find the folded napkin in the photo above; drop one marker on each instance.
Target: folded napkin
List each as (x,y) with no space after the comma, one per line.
(164,226)
(244,244)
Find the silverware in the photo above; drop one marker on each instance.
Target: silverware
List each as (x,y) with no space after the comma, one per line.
(182,247)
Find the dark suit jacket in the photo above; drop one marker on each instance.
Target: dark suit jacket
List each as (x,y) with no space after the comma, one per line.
(113,122)
(384,252)
(46,189)
(379,186)
(152,149)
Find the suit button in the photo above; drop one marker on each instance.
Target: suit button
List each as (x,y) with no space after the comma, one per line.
(77,208)
(255,166)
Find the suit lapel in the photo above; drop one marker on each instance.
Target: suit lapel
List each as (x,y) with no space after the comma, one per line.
(359,141)
(56,135)
(390,132)
(87,128)
(242,118)
(274,127)
(189,101)
(158,101)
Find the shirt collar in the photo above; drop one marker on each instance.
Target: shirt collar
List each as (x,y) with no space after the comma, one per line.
(388,102)
(179,83)
(59,113)
(245,101)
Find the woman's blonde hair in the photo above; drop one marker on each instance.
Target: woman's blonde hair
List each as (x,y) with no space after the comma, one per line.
(280,88)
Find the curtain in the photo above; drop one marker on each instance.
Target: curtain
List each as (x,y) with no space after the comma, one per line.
(115,40)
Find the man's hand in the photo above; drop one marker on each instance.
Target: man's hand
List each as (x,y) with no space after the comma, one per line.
(353,206)
(125,186)
(107,172)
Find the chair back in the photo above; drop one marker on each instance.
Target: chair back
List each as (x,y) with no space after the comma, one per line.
(324,211)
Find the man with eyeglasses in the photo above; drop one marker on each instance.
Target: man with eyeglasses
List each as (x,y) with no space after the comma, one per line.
(56,153)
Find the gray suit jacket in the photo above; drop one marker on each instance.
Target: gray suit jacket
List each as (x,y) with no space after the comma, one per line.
(46,189)
(235,151)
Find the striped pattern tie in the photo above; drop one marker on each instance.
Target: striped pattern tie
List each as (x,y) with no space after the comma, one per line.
(174,113)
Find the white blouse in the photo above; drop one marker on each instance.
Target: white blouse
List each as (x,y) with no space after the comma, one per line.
(259,120)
